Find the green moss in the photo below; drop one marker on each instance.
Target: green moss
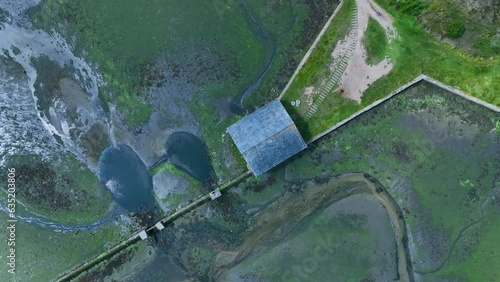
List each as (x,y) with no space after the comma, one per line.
(173,200)
(166,166)
(476,254)
(200,260)
(447,187)
(375,42)
(218,141)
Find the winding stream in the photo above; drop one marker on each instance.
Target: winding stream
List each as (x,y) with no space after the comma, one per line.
(25,215)
(290,210)
(264,34)
(457,239)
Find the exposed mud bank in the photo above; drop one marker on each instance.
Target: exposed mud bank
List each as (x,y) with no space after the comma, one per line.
(277,220)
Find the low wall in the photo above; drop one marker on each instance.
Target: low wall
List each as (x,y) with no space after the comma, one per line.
(419,78)
(309,51)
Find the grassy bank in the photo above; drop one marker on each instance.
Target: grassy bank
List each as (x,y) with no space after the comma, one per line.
(416,52)
(317,66)
(413,52)
(62,189)
(375,42)
(42,254)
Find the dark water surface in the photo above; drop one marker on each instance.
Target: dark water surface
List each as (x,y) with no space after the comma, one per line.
(127,177)
(188,153)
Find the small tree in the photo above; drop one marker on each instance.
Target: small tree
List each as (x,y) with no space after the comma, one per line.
(455,28)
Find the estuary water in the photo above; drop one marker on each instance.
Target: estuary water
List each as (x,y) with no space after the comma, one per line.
(127,178)
(189,153)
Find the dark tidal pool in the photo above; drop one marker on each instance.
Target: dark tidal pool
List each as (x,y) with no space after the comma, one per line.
(188,153)
(127,178)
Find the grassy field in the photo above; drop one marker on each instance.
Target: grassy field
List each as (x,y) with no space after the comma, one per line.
(63,190)
(42,254)
(413,52)
(417,52)
(375,42)
(473,29)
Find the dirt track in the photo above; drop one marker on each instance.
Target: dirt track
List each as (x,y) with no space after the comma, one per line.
(359,75)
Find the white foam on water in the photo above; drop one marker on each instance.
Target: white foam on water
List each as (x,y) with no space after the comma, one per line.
(17,8)
(20,130)
(24,45)
(114,187)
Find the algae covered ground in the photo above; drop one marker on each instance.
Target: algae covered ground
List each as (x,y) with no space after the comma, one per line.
(160,72)
(151,73)
(350,240)
(42,254)
(438,155)
(60,189)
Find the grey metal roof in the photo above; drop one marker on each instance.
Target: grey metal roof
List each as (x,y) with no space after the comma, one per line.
(266,137)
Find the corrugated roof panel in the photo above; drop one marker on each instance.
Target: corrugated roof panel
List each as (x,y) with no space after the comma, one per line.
(259,125)
(275,150)
(267,137)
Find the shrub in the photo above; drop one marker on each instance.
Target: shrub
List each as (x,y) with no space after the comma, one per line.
(410,7)
(455,28)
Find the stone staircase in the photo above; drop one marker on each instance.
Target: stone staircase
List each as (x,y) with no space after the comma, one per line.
(339,68)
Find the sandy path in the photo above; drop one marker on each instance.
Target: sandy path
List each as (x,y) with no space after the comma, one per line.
(359,75)
(349,70)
